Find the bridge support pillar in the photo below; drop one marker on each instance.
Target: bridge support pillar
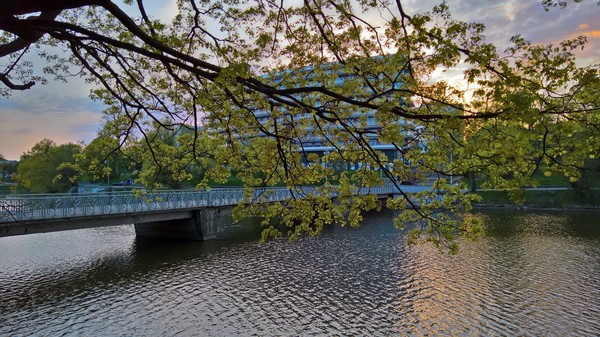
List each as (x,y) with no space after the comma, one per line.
(203,225)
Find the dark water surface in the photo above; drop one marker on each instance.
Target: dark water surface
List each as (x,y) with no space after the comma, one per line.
(537,274)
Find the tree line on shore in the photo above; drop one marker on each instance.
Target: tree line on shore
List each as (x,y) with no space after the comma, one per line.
(49,167)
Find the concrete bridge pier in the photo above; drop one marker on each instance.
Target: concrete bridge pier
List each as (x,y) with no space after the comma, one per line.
(202,225)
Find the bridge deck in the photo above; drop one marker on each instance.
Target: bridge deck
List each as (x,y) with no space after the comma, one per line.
(44,207)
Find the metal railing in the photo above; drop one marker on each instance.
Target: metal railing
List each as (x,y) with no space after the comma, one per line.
(28,207)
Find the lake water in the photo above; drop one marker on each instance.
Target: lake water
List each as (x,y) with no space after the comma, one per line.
(535,274)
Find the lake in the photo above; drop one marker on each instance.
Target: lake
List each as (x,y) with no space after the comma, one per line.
(534,274)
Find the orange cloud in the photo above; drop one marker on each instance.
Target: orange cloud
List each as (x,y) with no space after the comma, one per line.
(583,26)
(591,34)
(595,34)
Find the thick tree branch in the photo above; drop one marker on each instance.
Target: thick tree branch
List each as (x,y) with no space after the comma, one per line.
(4,79)
(25,36)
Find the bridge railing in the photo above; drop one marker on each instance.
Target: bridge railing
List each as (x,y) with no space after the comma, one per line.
(57,206)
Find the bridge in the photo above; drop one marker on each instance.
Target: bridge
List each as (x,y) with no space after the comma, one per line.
(175,214)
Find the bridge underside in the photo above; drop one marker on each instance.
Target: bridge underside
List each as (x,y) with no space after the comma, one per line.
(202,225)
(199,224)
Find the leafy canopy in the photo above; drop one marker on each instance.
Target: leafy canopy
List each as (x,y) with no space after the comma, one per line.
(224,64)
(47,167)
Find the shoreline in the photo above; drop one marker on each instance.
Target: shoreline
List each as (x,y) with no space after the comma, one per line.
(535,208)
(542,199)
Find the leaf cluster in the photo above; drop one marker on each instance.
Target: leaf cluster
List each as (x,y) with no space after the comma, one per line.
(249,86)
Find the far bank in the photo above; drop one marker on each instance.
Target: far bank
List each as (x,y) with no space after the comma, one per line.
(545,198)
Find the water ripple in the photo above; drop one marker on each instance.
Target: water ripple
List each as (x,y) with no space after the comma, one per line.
(541,278)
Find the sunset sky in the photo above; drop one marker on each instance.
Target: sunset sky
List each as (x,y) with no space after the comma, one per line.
(64,113)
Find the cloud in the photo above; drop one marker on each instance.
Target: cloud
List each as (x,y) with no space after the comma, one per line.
(504,19)
(595,34)
(42,101)
(59,111)
(16,138)
(20,131)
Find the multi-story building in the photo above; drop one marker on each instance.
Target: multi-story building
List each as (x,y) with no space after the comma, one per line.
(319,138)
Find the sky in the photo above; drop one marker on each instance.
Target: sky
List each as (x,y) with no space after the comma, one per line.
(64,112)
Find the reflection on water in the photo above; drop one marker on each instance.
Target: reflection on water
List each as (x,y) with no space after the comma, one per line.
(535,274)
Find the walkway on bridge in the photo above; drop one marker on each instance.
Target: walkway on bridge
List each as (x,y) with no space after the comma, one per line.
(36,213)
(28,207)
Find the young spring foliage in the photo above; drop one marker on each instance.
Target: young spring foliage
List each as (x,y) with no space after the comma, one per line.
(264,78)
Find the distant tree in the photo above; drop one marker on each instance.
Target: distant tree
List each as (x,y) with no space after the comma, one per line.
(226,63)
(102,160)
(586,187)
(6,168)
(173,156)
(41,169)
